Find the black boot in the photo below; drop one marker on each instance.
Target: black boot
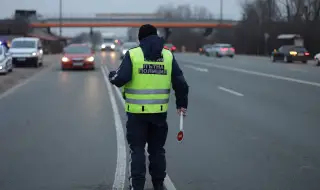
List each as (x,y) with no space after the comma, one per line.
(159,187)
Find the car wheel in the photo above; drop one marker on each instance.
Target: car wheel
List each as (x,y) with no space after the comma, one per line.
(273,59)
(305,62)
(36,63)
(218,55)
(231,56)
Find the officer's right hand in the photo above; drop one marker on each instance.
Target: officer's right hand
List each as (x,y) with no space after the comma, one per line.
(182,111)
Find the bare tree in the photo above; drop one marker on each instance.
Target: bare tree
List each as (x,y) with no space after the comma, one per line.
(179,35)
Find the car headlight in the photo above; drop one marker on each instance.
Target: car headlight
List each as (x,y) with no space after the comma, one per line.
(124,51)
(103,46)
(65,59)
(1,67)
(293,53)
(34,54)
(113,46)
(90,59)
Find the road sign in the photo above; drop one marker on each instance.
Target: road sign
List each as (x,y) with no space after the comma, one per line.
(180,136)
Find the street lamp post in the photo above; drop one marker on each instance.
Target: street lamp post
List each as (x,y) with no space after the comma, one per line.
(60,17)
(221,11)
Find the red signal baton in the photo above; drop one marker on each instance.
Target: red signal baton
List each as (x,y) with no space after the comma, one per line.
(180,133)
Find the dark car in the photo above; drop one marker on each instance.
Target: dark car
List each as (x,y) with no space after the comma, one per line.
(204,49)
(170,47)
(290,53)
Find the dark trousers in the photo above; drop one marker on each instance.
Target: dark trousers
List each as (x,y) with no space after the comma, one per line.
(142,129)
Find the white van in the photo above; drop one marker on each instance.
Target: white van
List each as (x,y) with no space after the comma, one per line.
(26,51)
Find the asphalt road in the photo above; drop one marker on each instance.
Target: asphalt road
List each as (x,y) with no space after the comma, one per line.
(252,124)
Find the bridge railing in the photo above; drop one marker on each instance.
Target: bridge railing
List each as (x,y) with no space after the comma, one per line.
(91,16)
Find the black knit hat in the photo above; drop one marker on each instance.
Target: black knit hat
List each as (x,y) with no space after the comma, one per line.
(147,30)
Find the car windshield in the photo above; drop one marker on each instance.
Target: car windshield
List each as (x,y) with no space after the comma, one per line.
(23,44)
(111,40)
(299,49)
(77,50)
(130,45)
(168,45)
(225,46)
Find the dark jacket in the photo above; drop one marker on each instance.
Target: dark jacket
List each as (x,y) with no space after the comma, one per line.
(152,47)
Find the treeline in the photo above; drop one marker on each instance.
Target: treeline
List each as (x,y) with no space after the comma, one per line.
(260,19)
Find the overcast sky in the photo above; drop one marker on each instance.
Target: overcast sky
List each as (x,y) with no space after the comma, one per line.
(74,8)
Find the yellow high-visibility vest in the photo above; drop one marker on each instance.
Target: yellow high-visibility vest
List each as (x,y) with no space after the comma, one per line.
(149,89)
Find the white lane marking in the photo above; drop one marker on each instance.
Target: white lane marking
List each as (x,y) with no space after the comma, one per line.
(257,73)
(230,91)
(120,174)
(197,68)
(24,82)
(167,181)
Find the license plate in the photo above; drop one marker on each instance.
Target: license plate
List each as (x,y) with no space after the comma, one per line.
(301,54)
(21,59)
(77,64)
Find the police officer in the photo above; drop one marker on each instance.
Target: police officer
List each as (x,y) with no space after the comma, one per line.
(146,75)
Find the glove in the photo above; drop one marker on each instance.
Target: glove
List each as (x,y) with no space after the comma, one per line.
(112,74)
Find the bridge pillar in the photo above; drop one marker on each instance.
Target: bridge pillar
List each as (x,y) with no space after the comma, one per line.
(91,31)
(207,32)
(167,33)
(49,30)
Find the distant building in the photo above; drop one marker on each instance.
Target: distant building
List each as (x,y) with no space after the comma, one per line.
(128,15)
(132,34)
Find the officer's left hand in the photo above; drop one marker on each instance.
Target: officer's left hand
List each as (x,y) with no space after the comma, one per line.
(111,74)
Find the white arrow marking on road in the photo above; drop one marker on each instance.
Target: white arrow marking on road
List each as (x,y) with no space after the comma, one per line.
(197,68)
(167,181)
(230,91)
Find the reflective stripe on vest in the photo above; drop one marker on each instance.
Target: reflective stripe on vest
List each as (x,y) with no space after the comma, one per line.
(147,91)
(153,101)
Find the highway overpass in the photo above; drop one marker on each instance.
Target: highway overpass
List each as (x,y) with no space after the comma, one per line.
(132,22)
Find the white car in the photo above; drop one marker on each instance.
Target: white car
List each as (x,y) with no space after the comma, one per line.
(5,61)
(126,46)
(222,50)
(108,44)
(26,51)
(317,59)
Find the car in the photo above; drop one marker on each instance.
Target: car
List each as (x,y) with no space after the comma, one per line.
(78,56)
(204,49)
(26,51)
(170,47)
(221,50)
(126,46)
(317,59)
(108,44)
(290,53)
(5,60)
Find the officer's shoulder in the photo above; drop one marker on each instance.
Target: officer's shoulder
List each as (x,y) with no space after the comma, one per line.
(168,51)
(133,48)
